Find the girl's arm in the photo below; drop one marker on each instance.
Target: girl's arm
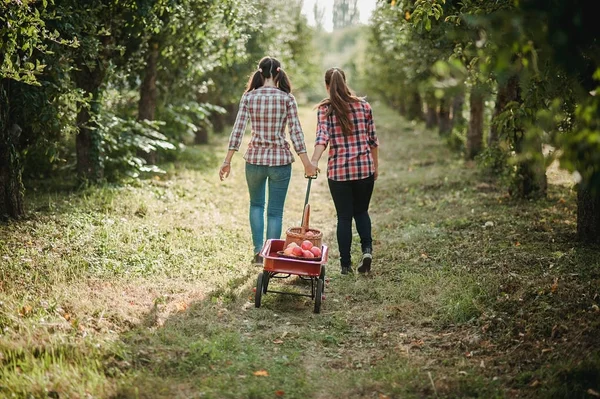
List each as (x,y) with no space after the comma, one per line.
(226,165)
(309,168)
(375,153)
(235,139)
(322,138)
(319,149)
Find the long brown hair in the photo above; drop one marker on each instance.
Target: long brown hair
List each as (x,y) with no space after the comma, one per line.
(269,67)
(340,96)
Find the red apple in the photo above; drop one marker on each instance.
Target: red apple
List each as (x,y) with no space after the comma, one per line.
(288,251)
(309,234)
(307,254)
(306,245)
(297,251)
(316,251)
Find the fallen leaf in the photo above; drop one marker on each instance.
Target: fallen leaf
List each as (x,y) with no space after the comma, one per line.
(181,306)
(545,350)
(535,383)
(554,285)
(25,310)
(67,316)
(278,341)
(424,256)
(279,393)
(593,393)
(284,334)
(382,396)
(517,244)
(261,373)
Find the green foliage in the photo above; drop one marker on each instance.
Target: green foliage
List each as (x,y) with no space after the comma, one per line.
(124,139)
(182,122)
(581,148)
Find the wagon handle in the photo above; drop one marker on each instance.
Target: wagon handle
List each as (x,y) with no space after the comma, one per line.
(306,212)
(310,179)
(305,217)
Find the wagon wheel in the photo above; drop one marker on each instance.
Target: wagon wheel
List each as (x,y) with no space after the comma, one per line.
(259,290)
(265,282)
(318,295)
(322,276)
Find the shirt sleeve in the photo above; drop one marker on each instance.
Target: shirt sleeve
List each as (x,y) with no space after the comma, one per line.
(322,130)
(372,140)
(296,133)
(239,128)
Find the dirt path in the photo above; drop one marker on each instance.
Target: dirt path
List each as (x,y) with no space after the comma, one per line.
(145,291)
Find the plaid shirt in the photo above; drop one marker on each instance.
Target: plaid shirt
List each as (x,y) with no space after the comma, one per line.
(268,109)
(350,156)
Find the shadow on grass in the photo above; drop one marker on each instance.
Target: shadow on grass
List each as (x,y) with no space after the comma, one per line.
(219,347)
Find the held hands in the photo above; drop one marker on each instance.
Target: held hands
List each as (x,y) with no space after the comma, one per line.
(310,170)
(224,171)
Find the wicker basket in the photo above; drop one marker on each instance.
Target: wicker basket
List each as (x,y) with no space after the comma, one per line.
(298,234)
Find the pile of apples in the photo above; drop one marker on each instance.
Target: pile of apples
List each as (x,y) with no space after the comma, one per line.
(305,250)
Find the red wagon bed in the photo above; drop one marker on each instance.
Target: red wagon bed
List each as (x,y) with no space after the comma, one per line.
(277,266)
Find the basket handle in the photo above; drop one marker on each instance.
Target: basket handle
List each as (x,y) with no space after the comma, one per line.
(305,218)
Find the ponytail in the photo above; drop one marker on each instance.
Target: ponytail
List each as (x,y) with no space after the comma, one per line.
(282,81)
(269,67)
(257,80)
(340,96)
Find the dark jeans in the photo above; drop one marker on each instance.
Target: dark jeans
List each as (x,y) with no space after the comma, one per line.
(351,199)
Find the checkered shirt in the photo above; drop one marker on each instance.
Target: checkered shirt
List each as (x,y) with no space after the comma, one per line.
(269,110)
(350,156)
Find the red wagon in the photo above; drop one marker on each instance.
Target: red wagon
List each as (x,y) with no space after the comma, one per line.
(278,265)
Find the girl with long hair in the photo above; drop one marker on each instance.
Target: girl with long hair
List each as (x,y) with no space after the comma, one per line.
(269,106)
(345,123)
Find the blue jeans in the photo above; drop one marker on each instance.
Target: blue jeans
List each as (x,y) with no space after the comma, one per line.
(278,178)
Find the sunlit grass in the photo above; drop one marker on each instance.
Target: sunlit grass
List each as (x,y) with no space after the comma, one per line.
(145,289)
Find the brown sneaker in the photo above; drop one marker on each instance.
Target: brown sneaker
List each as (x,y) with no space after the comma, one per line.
(365,264)
(258,260)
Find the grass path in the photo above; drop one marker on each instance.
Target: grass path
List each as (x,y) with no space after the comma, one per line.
(145,290)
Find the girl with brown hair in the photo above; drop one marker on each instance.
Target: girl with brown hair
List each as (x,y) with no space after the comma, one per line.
(269,106)
(345,123)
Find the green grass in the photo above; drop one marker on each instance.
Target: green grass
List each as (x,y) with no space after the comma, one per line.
(144,290)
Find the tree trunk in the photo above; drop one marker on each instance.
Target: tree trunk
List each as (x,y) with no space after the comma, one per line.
(147,104)
(88,143)
(148,95)
(402,109)
(430,111)
(588,215)
(457,110)
(475,131)
(414,110)
(201,136)
(531,169)
(507,92)
(444,123)
(531,179)
(11,186)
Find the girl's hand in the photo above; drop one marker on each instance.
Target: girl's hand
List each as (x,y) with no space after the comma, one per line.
(224,171)
(310,170)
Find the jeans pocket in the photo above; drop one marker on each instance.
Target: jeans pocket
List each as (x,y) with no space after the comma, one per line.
(280,173)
